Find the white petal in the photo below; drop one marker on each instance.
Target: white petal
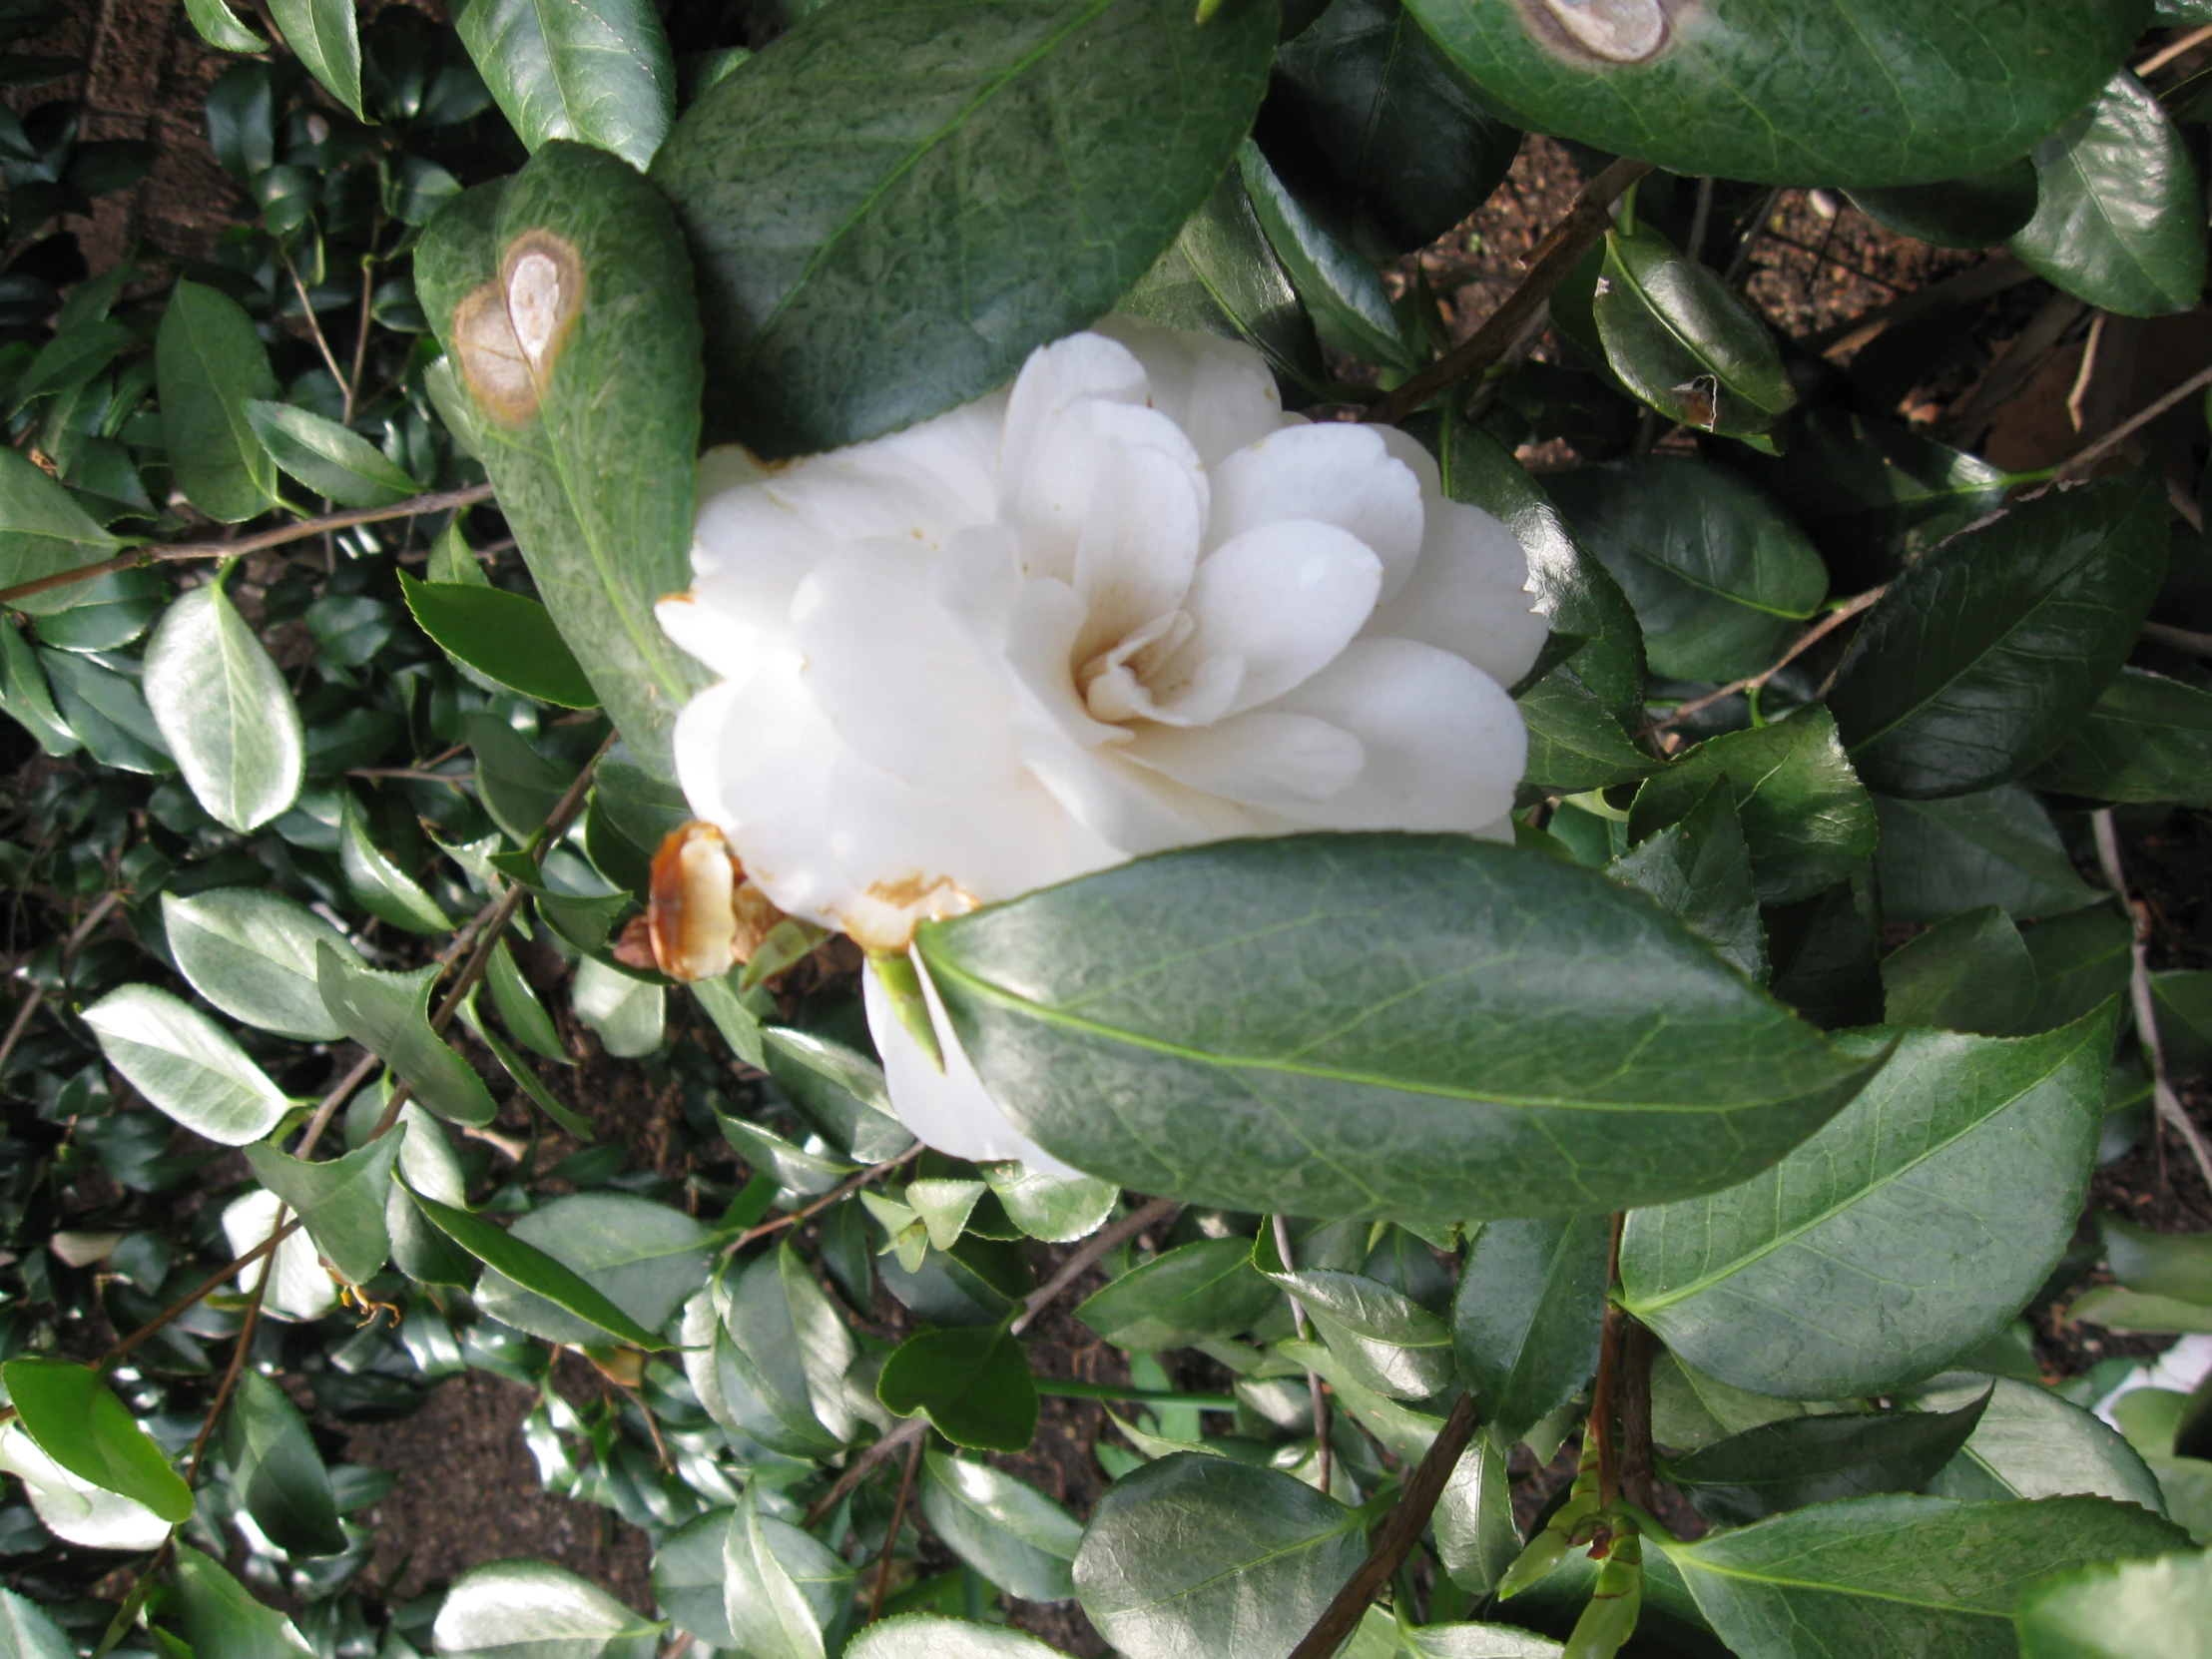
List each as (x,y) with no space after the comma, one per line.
(1139,543)
(950,1110)
(1331,472)
(1263,758)
(1053,380)
(723,638)
(893,675)
(1220,392)
(1445,744)
(300,1287)
(1066,462)
(1131,808)
(1286,598)
(1040,652)
(74,1510)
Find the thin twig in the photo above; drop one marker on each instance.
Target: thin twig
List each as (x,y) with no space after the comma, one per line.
(333,1101)
(843,1189)
(360,334)
(299,530)
(2173,49)
(192,1299)
(1639,1349)
(1559,253)
(2131,426)
(2183,639)
(2170,1109)
(1750,237)
(1316,1396)
(236,1365)
(1701,221)
(314,324)
(1804,642)
(1397,1537)
(23,1013)
(891,1538)
(1083,1260)
(905,1434)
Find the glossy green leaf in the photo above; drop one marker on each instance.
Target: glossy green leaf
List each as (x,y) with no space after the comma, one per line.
(972,1384)
(1527,1318)
(2031,1444)
(527,1079)
(226,711)
(1403,1431)
(1480,1641)
(100,613)
(25,695)
(1194,1554)
(1910,1227)
(1278,1020)
(1978,211)
(778,1356)
(427,1164)
(276,1471)
(643,1258)
(210,364)
(223,1620)
(2139,1314)
(628,1015)
(2146,739)
(534,1610)
(1078,134)
(793,1164)
(925,1636)
(1719,577)
(252,954)
(781,1586)
(1194,1292)
(618,375)
(507,637)
(1807,820)
(2157,1264)
(598,71)
(377,884)
(841,1091)
(186,1064)
(330,459)
(2155,1609)
(1057,1209)
(342,1202)
(78,1422)
(1984,656)
(1860,92)
(27,1633)
(1477,1539)
(1690,1409)
(2081,959)
(1370,125)
(535,1271)
(1820,1459)
(1389,1341)
(1681,341)
(1970,973)
(388,1014)
(107,711)
(219,26)
(1574,743)
(1700,870)
(1004,1528)
(323,37)
(2119,216)
(1996,847)
(520,1008)
(519,787)
(1344,294)
(42,529)
(1899,1577)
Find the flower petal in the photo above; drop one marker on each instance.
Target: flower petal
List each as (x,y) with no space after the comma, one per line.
(1138,545)
(1131,808)
(1220,392)
(950,1110)
(1330,472)
(1285,598)
(1263,758)
(1445,744)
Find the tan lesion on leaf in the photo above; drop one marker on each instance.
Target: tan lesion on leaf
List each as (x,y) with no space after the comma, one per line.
(542,277)
(490,358)
(1601,33)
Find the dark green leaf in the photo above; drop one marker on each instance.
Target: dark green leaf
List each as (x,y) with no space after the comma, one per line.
(1574,743)
(2031,1444)
(1479,1642)
(330,459)
(519,1006)
(1718,578)
(252,954)
(1899,1577)
(342,1202)
(1372,127)
(1278,1020)
(108,711)
(25,695)
(643,1258)
(2157,1609)
(840,1090)
(782,1585)
(42,529)
(186,1064)
(1859,92)
(1998,847)
(599,71)
(380,886)
(275,1468)
(1183,1296)
(78,1422)
(519,787)
(507,637)
(1078,134)
(2080,959)
(387,1014)
(1912,1226)
(210,366)
(1388,1341)
(1982,657)
(535,1271)
(2119,220)
(1805,818)
(27,1633)
(223,1620)
(774,1353)
(2146,739)
(1802,1460)
(226,711)
(972,1384)
(323,36)
(1970,973)
(1477,1539)
(1979,211)
(1700,870)
(98,614)
(2157,1264)
(1195,1554)
(1343,293)
(1526,1318)
(1681,341)
(2138,1313)
(1005,1529)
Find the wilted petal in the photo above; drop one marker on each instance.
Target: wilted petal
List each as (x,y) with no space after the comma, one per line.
(1285,598)
(1331,473)
(1263,758)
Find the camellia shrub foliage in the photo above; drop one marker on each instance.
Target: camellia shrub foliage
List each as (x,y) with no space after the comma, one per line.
(910,573)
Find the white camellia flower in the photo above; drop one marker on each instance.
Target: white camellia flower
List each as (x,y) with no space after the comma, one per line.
(1126,605)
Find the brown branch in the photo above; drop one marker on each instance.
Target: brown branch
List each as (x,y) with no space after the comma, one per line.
(891,1538)
(193,1298)
(1083,1260)
(1560,252)
(2183,639)
(905,1434)
(1804,642)
(230,1372)
(2173,49)
(298,530)
(1602,1392)
(1638,1350)
(1397,1536)
(843,1189)
(2134,423)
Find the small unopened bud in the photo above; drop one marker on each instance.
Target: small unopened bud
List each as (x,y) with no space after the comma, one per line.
(703,917)
(1615,1600)
(1571,1524)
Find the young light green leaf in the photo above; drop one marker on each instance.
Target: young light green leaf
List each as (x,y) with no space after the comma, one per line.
(210,365)
(1970,973)
(342,1202)
(628,1014)
(221,29)
(534,1610)
(2148,739)
(76,1420)
(507,637)
(535,1271)
(1681,341)
(599,73)
(1195,1554)
(1998,847)
(275,1468)
(1942,1197)
(252,954)
(1548,1097)
(330,459)
(380,886)
(1004,1528)
(225,710)
(323,36)
(2155,1609)
(221,1619)
(388,1014)
(43,531)
(1208,1288)
(972,1384)
(1527,1316)
(1144,114)
(1797,1461)
(186,1064)
(643,1258)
